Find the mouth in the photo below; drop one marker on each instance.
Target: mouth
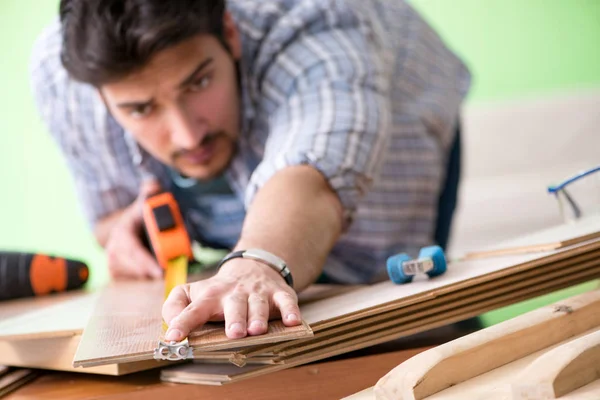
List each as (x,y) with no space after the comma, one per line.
(202,154)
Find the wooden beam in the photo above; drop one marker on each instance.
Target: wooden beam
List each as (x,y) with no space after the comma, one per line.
(562,370)
(490,348)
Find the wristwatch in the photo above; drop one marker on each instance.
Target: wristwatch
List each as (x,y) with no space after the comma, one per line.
(264,257)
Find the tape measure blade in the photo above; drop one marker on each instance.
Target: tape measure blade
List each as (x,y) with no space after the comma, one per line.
(176,273)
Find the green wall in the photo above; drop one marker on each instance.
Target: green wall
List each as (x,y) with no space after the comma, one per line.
(514,48)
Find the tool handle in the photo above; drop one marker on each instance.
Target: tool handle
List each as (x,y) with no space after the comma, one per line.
(34,274)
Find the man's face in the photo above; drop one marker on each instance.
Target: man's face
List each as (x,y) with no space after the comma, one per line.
(183,107)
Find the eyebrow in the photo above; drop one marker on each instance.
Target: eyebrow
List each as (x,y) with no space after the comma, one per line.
(187,81)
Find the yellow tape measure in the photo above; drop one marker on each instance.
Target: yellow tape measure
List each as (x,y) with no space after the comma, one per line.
(175,274)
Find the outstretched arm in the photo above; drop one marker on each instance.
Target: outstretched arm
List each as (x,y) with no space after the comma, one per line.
(295,216)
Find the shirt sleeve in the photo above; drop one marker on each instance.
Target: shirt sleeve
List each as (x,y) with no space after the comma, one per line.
(329,108)
(90,141)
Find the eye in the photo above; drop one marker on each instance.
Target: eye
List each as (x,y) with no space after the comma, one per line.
(200,84)
(141,111)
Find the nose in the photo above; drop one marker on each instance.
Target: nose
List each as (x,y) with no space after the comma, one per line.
(186,131)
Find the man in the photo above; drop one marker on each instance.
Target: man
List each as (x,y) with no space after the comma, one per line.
(313,133)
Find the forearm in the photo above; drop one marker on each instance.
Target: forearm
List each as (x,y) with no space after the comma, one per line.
(297,217)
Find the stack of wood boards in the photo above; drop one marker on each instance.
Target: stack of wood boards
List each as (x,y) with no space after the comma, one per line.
(363,317)
(552,352)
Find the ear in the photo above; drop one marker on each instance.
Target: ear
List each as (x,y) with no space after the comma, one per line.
(232,35)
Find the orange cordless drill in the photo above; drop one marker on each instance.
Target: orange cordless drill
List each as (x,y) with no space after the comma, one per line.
(34,274)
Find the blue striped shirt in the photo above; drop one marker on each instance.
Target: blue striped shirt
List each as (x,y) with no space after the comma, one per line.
(364,91)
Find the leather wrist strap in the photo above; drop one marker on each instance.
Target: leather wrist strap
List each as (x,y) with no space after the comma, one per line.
(264,257)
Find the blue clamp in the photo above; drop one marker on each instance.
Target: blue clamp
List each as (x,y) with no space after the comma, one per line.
(432,261)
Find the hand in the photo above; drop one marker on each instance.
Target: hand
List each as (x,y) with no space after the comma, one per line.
(245,293)
(127,256)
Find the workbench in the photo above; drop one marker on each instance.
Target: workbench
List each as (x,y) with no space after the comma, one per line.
(333,379)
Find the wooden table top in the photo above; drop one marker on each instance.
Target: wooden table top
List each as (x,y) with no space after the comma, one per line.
(327,380)
(332,379)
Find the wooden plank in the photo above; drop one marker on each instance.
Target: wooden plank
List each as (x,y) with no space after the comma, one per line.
(212,336)
(123,336)
(13,380)
(553,238)
(433,320)
(387,296)
(562,370)
(11,308)
(447,301)
(63,319)
(443,303)
(416,310)
(490,348)
(498,383)
(446,309)
(394,333)
(57,354)
(125,325)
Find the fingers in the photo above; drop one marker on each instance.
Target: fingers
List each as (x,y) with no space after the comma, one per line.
(175,303)
(128,258)
(258,314)
(235,310)
(195,314)
(287,303)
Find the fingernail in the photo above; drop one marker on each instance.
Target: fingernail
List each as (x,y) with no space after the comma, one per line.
(257,325)
(292,318)
(237,328)
(174,334)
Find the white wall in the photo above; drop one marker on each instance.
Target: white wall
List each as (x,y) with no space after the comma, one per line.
(512,152)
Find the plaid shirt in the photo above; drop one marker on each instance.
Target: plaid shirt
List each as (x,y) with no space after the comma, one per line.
(364,91)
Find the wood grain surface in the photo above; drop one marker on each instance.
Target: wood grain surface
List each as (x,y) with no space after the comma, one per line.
(462,359)
(125,325)
(523,286)
(212,336)
(324,381)
(562,370)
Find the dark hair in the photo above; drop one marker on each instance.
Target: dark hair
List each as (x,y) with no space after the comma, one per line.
(105,40)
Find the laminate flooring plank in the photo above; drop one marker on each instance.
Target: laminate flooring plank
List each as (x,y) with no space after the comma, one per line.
(212,336)
(585,263)
(553,238)
(387,296)
(53,319)
(125,325)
